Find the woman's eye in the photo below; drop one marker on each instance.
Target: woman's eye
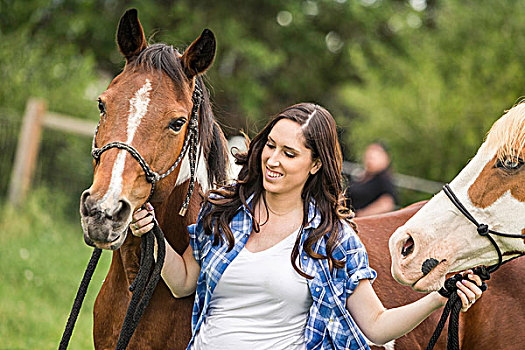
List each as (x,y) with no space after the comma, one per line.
(101,107)
(176,124)
(269,145)
(509,163)
(289,154)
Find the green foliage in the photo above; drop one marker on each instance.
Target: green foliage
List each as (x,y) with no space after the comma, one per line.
(43,258)
(434,101)
(428,77)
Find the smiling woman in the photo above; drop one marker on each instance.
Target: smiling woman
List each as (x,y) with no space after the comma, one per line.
(283,227)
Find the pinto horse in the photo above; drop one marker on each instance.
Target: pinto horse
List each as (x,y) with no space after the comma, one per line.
(492,323)
(148,107)
(492,189)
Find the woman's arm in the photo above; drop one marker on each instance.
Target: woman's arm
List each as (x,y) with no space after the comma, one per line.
(179,272)
(381,325)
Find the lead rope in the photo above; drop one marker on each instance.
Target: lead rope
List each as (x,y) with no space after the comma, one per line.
(81,293)
(141,288)
(449,290)
(453,308)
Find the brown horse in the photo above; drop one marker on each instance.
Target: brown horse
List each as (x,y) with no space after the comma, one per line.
(148,107)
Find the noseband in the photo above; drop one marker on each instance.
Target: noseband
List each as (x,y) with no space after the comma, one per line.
(190,141)
(483,230)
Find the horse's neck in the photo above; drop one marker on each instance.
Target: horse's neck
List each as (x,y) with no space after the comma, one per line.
(174,225)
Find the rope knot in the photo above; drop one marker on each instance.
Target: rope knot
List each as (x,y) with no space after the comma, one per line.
(483,230)
(450,285)
(152,177)
(95,153)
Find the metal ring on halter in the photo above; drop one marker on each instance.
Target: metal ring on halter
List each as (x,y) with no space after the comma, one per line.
(190,141)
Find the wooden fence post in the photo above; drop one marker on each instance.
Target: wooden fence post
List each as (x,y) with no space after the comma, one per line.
(27,150)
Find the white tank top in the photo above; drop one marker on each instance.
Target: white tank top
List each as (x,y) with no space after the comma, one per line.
(260,302)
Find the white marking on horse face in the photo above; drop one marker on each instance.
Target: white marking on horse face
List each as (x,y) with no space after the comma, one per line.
(138,106)
(440,231)
(202,171)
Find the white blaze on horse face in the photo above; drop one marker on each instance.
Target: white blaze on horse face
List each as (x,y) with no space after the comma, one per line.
(441,232)
(138,106)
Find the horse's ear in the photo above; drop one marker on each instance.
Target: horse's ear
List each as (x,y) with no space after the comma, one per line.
(130,35)
(199,56)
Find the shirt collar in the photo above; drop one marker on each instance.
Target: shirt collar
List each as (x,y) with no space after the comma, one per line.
(314,216)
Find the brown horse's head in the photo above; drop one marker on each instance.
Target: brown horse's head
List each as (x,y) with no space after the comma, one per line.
(439,239)
(148,107)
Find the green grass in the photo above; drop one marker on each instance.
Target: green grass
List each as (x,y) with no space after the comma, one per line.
(42,259)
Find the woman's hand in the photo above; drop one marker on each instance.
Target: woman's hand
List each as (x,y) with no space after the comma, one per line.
(142,220)
(469,292)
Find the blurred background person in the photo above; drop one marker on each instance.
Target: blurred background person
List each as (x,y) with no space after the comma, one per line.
(372,192)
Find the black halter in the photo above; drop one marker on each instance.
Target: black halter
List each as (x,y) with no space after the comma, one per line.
(483,230)
(453,305)
(190,141)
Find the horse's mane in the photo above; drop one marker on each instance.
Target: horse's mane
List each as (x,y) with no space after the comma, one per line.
(164,58)
(508,133)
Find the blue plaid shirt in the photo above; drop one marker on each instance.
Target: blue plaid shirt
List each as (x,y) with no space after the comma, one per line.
(329,324)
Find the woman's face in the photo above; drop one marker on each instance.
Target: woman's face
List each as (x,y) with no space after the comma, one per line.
(375,159)
(286,162)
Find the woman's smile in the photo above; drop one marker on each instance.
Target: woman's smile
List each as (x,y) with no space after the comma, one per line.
(272,175)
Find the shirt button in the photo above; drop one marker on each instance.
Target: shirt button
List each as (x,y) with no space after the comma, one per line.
(317,289)
(224,261)
(331,320)
(245,236)
(304,257)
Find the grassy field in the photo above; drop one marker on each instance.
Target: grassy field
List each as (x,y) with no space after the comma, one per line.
(42,259)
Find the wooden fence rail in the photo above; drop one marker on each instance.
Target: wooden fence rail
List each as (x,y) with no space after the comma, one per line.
(36,116)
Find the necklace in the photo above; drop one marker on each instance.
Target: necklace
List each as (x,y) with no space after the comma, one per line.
(279,214)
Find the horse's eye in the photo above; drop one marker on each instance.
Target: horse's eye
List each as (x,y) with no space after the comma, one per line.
(176,124)
(101,107)
(510,163)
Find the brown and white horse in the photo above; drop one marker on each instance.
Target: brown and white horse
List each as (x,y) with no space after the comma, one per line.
(492,188)
(148,107)
(494,322)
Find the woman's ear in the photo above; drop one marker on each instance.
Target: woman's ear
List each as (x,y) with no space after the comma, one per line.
(316,166)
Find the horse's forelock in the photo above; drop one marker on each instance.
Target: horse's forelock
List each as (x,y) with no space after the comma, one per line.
(507,135)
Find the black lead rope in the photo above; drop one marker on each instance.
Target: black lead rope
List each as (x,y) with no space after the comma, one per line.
(81,293)
(141,287)
(453,305)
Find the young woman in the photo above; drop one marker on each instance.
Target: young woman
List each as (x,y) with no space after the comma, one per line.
(275,259)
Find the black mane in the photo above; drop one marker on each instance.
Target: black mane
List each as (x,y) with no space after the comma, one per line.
(164,58)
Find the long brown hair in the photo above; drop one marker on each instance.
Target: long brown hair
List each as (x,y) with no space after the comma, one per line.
(325,186)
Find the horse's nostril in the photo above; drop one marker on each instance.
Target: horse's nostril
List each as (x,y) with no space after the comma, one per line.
(408,247)
(85,203)
(123,210)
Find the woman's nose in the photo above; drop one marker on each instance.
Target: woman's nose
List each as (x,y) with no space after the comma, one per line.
(273,160)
